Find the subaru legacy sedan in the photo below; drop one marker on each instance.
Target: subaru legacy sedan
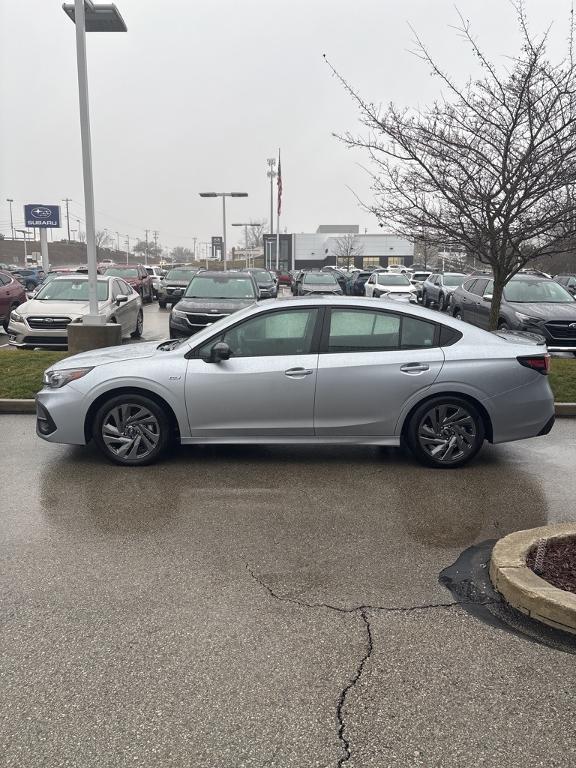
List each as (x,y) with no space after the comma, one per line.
(283,372)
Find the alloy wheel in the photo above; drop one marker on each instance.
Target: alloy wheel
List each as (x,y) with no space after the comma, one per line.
(447,433)
(130,431)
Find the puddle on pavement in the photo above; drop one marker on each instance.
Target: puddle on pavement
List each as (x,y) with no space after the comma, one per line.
(468,580)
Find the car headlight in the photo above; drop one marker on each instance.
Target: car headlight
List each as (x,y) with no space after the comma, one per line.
(16,316)
(57,379)
(178,313)
(527,318)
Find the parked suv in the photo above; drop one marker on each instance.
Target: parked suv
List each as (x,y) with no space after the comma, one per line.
(12,294)
(209,297)
(529,303)
(29,278)
(265,281)
(173,285)
(156,273)
(439,287)
(136,277)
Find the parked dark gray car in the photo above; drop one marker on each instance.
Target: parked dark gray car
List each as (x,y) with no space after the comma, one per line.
(568,282)
(209,297)
(438,288)
(266,283)
(173,285)
(319,282)
(529,303)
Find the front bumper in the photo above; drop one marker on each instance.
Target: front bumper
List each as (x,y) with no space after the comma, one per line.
(21,335)
(60,415)
(181,326)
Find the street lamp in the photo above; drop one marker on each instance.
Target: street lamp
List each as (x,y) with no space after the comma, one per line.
(10,200)
(224,195)
(89,17)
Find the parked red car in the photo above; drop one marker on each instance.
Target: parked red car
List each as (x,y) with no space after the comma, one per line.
(137,277)
(284,278)
(12,293)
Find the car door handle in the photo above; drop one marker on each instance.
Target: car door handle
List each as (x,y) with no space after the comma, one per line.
(414,368)
(296,372)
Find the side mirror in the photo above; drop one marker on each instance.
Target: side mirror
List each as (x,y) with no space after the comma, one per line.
(220,351)
(487,297)
(121,299)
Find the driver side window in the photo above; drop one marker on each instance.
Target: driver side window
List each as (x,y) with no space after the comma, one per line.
(287,332)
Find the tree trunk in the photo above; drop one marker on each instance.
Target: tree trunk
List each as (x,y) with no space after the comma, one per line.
(499,282)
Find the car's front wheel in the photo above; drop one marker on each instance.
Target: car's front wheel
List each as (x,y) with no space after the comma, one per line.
(445,432)
(132,430)
(441,303)
(425,299)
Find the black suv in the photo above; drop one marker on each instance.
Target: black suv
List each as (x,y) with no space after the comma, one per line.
(210,296)
(530,303)
(568,281)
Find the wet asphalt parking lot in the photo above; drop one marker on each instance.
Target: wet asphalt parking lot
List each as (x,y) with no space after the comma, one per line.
(252,606)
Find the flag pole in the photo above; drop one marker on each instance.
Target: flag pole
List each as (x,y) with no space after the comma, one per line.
(279,199)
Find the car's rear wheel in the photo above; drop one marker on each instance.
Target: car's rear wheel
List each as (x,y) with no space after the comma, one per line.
(425,299)
(161,304)
(445,432)
(503,326)
(132,430)
(441,303)
(137,332)
(457,314)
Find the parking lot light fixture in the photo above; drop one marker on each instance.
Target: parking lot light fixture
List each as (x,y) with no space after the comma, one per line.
(224,195)
(89,17)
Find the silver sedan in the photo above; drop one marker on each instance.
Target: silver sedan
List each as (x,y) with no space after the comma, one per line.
(335,370)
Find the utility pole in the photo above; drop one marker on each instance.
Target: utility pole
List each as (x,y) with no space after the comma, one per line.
(155,244)
(127,248)
(195,238)
(117,241)
(146,251)
(10,200)
(67,200)
(271,175)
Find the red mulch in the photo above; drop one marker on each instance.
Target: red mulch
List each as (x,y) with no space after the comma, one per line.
(559,564)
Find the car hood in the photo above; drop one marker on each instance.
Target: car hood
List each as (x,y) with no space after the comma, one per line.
(218,305)
(108,355)
(68,308)
(321,288)
(176,283)
(545,310)
(397,288)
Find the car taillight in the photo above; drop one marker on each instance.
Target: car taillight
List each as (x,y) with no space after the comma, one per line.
(540,363)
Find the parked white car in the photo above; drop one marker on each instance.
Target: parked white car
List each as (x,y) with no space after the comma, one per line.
(392,286)
(156,273)
(43,321)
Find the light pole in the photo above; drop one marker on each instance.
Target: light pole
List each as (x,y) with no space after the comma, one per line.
(24,232)
(127,248)
(90,18)
(271,175)
(10,200)
(224,195)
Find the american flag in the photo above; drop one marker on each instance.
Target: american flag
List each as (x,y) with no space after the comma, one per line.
(279,181)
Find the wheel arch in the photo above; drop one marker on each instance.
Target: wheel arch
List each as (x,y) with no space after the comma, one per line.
(128,390)
(485,416)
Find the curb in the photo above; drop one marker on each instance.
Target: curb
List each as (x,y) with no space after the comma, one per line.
(520,586)
(29,406)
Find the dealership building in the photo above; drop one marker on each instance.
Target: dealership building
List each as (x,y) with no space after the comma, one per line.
(323,247)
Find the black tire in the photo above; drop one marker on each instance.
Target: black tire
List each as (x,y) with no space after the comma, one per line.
(433,427)
(457,313)
(30,286)
(161,304)
(6,321)
(425,299)
(441,303)
(150,297)
(137,332)
(503,326)
(149,436)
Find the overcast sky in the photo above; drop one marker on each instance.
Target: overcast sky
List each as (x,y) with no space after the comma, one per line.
(199,93)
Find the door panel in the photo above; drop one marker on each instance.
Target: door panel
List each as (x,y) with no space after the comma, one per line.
(362,393)
(250,396)
(483,308)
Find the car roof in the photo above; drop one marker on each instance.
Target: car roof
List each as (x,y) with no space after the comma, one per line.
(84,276)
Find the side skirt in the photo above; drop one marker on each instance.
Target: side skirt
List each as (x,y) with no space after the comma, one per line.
(298,440)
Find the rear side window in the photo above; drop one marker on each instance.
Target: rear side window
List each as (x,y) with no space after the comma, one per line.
(478,287)
(367,331)
(448,336)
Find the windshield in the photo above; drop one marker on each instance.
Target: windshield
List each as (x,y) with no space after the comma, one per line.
(220,287)
(323,278)
(181,274)
(524,291)
(454,279)
(420,276)
(70,290)
(261,276)
(385,279)
(121,272)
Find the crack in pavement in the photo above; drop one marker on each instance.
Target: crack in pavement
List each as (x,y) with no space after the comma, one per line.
(362,611)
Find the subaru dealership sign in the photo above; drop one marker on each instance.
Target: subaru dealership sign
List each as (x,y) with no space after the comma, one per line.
(42,215)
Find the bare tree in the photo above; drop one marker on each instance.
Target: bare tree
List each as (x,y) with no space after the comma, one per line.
(256,235)
(491,168)
(147,248)
(181,253)
(346,248)
(103,239)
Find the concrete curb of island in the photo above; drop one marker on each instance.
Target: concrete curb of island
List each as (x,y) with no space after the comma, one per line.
(522,588)
(28,406)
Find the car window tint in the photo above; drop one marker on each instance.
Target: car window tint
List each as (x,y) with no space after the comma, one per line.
(125,288)
(489,288)
(277,333)
(416,333)
(479,285)
(362,331)
(116,290)
(4,280)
